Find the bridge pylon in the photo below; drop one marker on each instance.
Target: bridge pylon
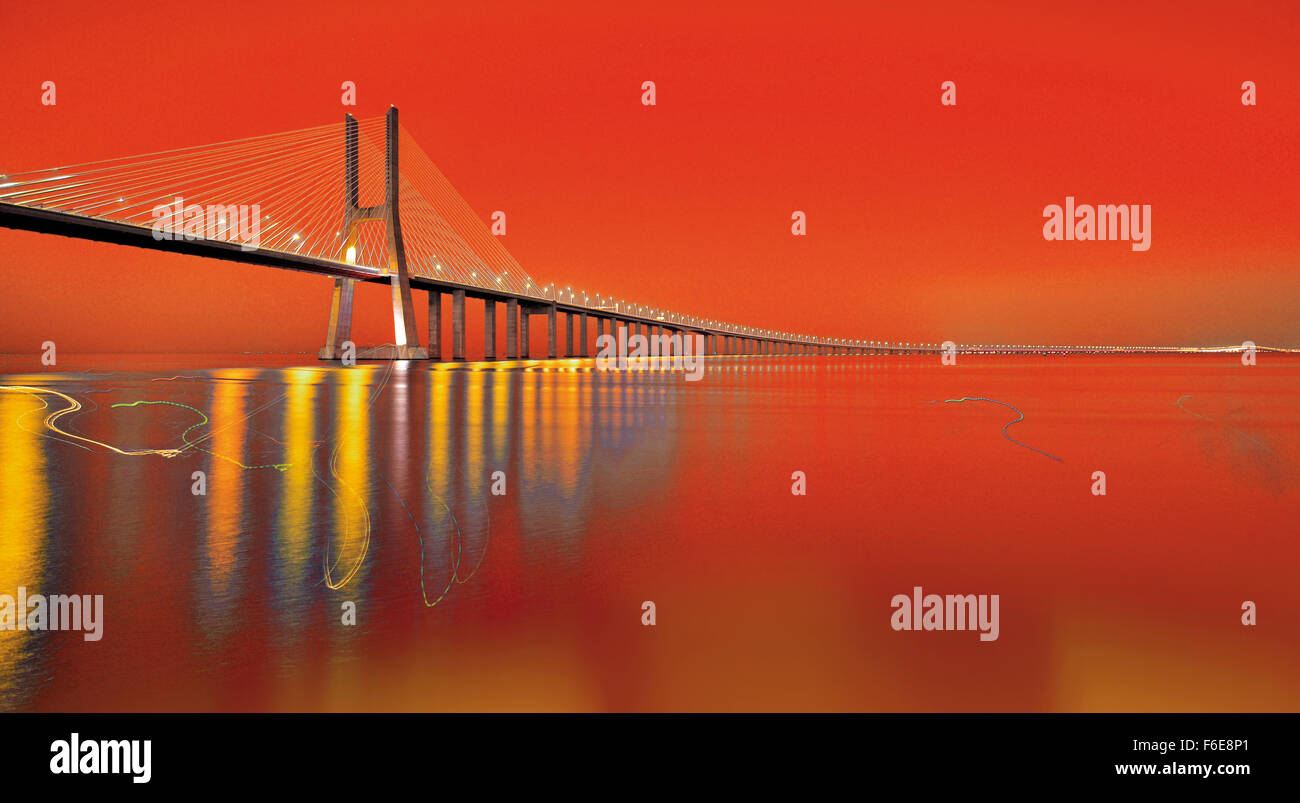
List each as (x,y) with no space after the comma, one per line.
(406,337)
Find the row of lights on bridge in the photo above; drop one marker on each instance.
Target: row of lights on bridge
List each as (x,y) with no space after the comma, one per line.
(621,306)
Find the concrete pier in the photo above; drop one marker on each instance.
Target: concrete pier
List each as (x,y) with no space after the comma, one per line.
(435,325)
(512,329)
(458,324)
(550,332)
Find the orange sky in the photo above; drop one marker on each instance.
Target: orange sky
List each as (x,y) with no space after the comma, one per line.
(924,222)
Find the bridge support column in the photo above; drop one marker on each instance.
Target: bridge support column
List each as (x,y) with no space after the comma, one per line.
(405,336)
(582,334)
(340,325)
(525,349)
(568,334)
(489,330)
(550,333)
(458,325)
(435,325)
(512,329)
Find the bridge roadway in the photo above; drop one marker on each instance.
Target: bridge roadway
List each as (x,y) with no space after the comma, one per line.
(720,340)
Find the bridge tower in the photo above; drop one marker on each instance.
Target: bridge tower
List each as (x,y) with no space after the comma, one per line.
(406,337)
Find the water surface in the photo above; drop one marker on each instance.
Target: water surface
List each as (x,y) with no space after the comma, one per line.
(373,485)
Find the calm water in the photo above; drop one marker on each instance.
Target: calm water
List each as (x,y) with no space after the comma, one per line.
(373,485)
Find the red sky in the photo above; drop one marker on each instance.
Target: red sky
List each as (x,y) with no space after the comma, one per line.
(924,222)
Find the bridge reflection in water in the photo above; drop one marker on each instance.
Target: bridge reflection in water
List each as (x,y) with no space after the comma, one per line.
(370,485)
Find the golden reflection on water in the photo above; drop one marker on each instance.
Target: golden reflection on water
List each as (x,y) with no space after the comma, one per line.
(225,501)
(349,539)
(475,414)
(501,391)
(296,520)
(23,511)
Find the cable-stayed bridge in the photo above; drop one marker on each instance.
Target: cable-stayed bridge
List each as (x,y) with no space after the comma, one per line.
(361,202)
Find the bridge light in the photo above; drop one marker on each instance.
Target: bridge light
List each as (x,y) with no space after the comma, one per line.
(351,256)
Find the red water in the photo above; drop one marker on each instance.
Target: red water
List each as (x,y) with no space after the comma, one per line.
(621,489)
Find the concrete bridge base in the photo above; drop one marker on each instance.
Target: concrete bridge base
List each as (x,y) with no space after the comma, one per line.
(377,353)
